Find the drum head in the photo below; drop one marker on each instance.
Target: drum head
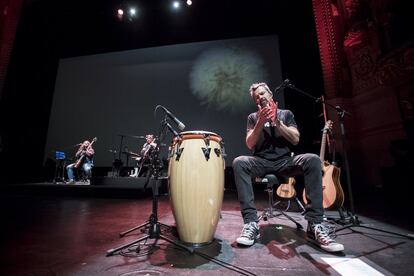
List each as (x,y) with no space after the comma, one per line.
(197,134)
(202,132)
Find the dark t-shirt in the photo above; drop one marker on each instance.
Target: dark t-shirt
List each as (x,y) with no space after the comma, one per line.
(271,144)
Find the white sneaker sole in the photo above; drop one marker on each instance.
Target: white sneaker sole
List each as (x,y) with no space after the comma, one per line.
(333,248)
(337,247)
(244,241)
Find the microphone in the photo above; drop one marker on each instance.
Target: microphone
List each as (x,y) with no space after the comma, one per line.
(282,85)
(180,125)
(171,129)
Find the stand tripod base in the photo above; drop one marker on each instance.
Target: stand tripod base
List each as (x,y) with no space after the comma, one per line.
(270,213)
(144,225)
(353,221)
(154,233)
(367,226)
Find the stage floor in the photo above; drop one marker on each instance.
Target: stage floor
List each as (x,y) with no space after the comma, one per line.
(45,234)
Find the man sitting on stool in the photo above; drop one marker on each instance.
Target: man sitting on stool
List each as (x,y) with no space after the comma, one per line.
(270,133)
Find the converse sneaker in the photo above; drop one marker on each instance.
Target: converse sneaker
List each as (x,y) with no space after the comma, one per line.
(321,236)
(249,234)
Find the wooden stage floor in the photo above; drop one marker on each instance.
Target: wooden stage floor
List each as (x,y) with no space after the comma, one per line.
(68,233)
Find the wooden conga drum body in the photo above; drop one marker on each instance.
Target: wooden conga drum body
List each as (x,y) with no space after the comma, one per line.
(196,183)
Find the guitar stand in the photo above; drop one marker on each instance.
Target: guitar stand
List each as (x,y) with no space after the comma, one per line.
(352,219)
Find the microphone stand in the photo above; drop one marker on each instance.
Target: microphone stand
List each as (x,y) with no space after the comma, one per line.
(152,226)
(117,164)
(353,220)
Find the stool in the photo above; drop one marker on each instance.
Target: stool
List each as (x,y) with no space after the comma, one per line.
(82,177)
(272,180)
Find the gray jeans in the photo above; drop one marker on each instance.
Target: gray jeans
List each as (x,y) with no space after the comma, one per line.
(247,167)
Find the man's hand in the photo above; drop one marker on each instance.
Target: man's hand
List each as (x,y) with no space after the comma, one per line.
(273,107)
(268,113)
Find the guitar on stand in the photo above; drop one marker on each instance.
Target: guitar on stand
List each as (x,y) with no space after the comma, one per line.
(333,195)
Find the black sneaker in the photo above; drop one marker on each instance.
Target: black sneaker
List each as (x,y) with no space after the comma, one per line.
(321,236)
(249,234)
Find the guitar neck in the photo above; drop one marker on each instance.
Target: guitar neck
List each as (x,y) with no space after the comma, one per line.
(323,145)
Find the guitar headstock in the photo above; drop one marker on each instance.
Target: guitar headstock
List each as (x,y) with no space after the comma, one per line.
(328,126)
(94,139)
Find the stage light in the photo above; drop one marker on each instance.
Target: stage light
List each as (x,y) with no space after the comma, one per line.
(120,14)
(176,4)
(189,2)
(132,11)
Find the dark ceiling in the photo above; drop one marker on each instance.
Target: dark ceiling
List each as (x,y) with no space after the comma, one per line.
(76,27)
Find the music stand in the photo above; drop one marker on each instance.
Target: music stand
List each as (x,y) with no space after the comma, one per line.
(153,226)
(352,218)
(60,158)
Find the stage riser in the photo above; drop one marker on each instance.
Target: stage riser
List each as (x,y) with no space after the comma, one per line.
(123,182)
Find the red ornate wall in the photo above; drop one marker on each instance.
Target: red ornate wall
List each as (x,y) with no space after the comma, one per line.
(370,76)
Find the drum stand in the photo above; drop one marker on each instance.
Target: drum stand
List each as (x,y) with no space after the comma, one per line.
(152,226)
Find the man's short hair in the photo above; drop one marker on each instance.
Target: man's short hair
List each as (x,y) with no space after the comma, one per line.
(254,86)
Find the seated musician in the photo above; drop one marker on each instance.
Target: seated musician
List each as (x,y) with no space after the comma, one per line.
(271,132)
(143,158)
(84,161)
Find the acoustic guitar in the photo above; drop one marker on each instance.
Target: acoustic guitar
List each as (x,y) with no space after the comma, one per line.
(333,195)
(80,160)
(286,190)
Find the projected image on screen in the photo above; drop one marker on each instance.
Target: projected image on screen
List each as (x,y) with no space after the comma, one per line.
(113,96)
(220,76)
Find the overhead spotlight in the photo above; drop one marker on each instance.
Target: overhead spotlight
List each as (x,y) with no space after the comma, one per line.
(120,14)
(189,2)
(132,11)
(176,4)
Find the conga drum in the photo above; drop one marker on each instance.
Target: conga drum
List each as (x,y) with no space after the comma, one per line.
(196,184)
